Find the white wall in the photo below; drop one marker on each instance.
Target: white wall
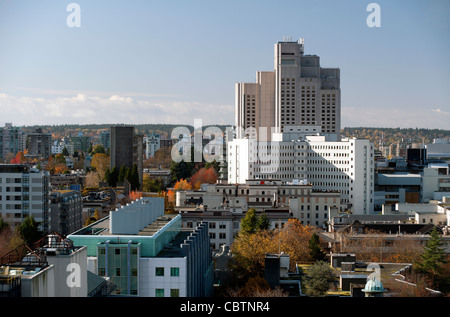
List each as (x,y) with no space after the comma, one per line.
(149,282)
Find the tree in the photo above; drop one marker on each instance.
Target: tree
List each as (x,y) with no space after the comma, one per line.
(315,251)
(100,162)
(133,177)
(3,224)
(152,184)
(318,279)
(19,158)
(98,149)
(251,246)
(65,152)
(432,259)
(203,176)
(182,184)
(114,177)
(263,222)
(122,173)
(181,170)
(107,177)
(249,222)
(29,231)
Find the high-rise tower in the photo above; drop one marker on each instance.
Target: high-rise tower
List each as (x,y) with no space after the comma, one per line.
(297,93)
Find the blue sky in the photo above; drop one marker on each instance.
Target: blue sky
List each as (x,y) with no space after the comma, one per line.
(170,61)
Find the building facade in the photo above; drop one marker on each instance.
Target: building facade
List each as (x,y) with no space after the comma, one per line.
(127,149)
(152,144)
(39,144)
(66,211)
(147,253)
(346,166)
(11,141)
(298,92)
(24,192)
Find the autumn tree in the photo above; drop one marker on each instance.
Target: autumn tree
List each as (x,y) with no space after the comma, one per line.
(19,158)
(182,184)
(256,286)
(100,163)
(294,238)
(203,176)
(151,184)
(169,200)
(250,249)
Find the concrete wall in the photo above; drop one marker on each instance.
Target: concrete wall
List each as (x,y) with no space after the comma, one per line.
(70,273)
(41,284)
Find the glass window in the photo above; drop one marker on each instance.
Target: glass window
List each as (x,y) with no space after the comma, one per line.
(159,271)
(159,292)
(174,271)
(174,292)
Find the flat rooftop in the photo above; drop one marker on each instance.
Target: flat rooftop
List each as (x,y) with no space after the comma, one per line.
(101,227)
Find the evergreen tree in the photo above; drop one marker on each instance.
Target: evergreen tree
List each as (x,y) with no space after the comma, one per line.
(249,222)
(122,173)
(29,231)
(114,177)
(432,259)
(65,152)
(107,176)
(315,251)
(319,278)
(133,178)
(263,222)
(3,224)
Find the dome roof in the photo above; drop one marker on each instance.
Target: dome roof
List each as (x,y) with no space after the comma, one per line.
(374,286)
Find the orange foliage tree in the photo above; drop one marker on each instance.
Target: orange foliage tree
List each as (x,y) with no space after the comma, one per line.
(135,195)
(19,158)
(292,239)
(182,184)
(203,175)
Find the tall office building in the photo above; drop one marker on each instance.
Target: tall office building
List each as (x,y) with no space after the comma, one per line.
(24,192)
(295,115)
(299,92)
(127,149)
(11,140)
(39,144)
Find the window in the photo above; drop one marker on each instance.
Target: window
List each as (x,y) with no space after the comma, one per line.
(174,292)
(174,271)
(222,235)
(222,225)
(159,271)
(118,271)
(159,292)
(212,225)
(117,251)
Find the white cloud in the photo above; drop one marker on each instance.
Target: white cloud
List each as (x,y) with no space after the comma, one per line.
(91,109)
(441,111)
(391,117)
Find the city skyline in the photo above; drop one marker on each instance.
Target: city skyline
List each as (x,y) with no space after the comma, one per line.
(158,62)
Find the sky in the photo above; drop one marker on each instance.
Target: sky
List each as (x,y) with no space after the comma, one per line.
(173,61)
